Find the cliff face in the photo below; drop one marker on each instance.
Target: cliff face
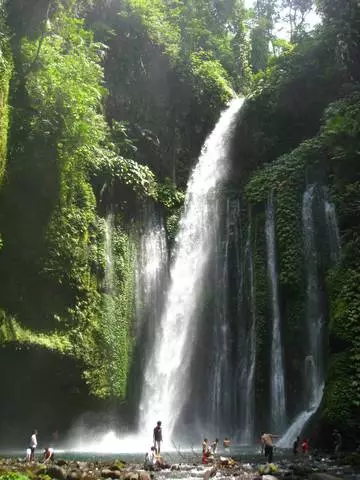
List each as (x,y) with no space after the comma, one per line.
(294,136)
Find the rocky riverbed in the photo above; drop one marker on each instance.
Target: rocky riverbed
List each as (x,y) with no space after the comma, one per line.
(311,468)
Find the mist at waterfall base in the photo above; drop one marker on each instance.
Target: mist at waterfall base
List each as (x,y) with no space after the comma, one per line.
(200,381)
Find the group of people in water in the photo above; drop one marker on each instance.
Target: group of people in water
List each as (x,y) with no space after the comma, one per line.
(299,446)
(209,449)
(153,459)
(48,453)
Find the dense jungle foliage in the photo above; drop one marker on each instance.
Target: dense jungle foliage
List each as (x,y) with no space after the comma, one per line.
(104,106)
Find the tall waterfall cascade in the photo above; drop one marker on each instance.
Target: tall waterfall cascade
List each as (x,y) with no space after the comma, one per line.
(315,322)
(166,387)
(247,348)
(278,400)
(220,377)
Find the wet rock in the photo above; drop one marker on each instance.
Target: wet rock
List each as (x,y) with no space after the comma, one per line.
(302,470)
(131,476)
(351,459)
(108,473)
(54,471)
(115,474)
(269,477)
(74,475)
(118,465)
(144,475)
(210,473)
(323,476)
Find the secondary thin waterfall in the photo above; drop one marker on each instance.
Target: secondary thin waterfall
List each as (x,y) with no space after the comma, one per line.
(313,361)
(166,379)
(332,228)
(151,273)
(278,402)
(314,317)
(109,279)
(248,350)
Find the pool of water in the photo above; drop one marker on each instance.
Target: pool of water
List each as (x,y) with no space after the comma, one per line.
(185,456)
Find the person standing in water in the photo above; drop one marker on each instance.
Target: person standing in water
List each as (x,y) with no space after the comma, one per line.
(337,441)
(296,445)
(305,446)
(267,440)
(33,444)
(214,446)
(227,442)
(157,437)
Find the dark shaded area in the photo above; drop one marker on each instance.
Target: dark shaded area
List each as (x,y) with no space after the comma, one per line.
(41,389)
(27,202)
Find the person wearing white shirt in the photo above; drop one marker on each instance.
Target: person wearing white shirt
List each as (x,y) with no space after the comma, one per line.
(33,444)
(150,459)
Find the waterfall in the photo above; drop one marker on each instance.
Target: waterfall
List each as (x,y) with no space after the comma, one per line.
(278,403)
(248,436)
(220,376)
(166,387)
(313,361)
(109,280)
(332,228)
(151,274)
(248,351)
(314,317)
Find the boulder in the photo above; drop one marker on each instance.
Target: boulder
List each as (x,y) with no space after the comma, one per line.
(144,475)
(131,476)
(74,475)
(108,473)
(323,476)
(54,471)
(118,465)
(116,474)
(302,470)
(269,477)
(210,473)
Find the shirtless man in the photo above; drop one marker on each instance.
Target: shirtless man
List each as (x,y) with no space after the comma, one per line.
(267,440)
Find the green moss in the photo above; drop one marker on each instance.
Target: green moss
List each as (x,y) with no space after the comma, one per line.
(12,331)
(263,315)
(109,342)
(337,408)
(6,70)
